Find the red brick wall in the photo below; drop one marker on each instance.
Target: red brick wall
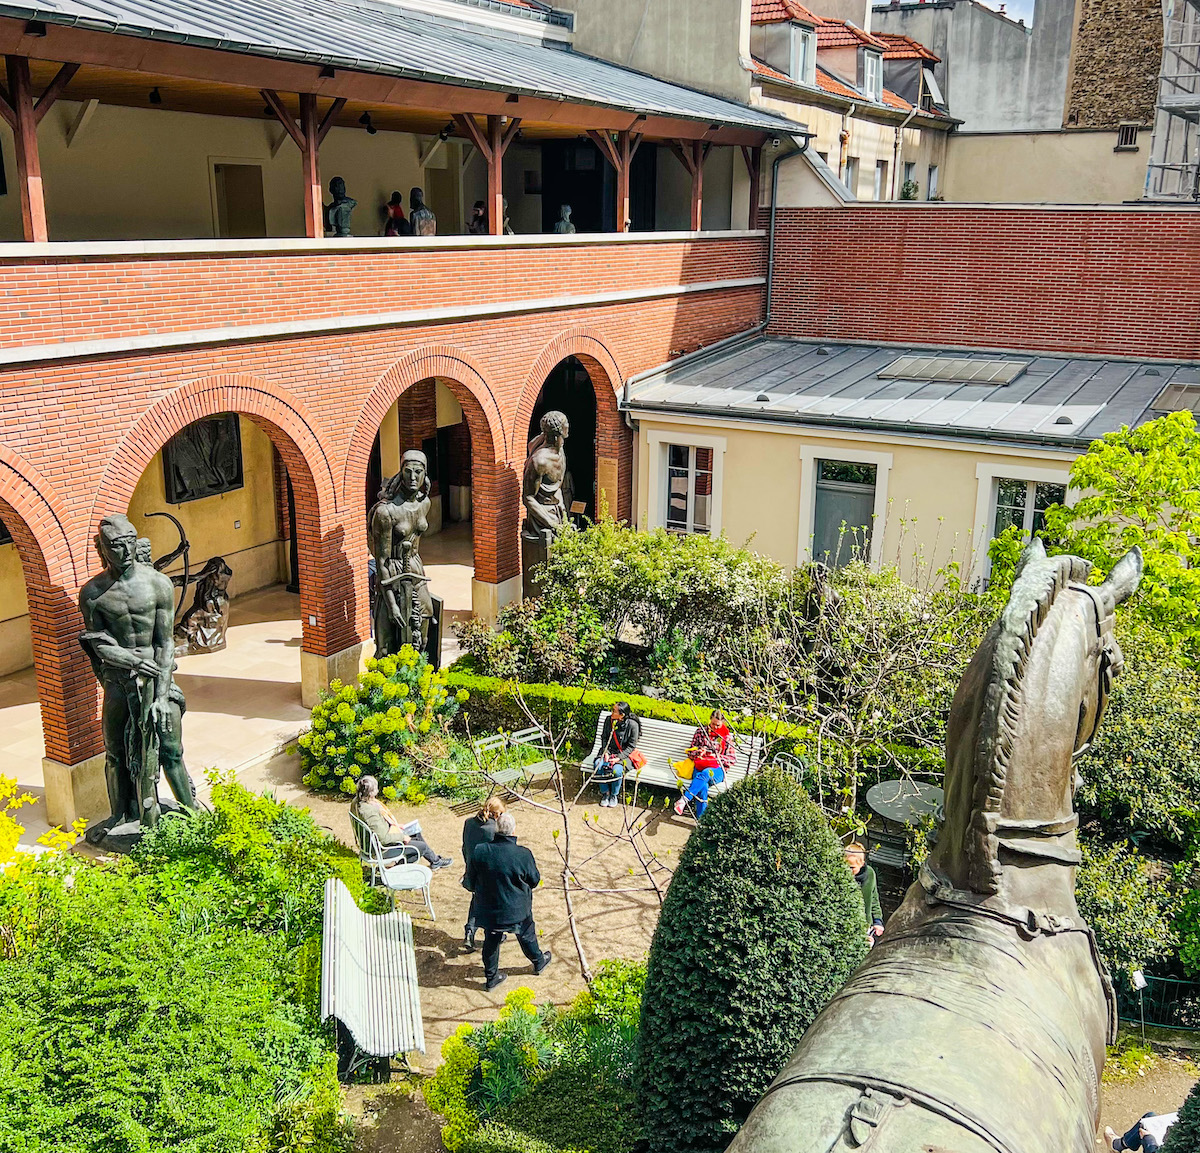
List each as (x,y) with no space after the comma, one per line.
(78,434)
(49,300)
(1117,281)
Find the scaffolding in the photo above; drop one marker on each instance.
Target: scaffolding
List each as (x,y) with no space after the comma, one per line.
(1173,172)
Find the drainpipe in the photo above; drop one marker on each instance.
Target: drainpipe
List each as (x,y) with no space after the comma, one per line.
(804,143)
(896,149)
(844,144)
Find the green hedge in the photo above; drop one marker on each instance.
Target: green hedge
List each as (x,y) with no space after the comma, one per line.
(493,705)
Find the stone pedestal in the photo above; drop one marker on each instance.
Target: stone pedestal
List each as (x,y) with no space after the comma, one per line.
(534,551)
(487,599)
(74,792)
(316,672)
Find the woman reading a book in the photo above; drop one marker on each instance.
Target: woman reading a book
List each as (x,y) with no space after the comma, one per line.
(392,835)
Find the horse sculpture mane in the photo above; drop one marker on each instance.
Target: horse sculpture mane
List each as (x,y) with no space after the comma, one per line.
(978,1022)
(1038,583)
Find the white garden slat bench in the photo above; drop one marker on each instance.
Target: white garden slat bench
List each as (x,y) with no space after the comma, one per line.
(665,741)
(369,981)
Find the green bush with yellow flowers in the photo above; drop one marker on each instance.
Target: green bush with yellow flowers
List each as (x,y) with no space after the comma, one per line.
(392,724)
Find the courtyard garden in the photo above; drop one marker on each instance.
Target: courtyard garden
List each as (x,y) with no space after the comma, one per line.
(169,1000)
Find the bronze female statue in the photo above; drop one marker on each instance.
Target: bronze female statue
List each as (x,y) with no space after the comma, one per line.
(403,605)
(978,1022)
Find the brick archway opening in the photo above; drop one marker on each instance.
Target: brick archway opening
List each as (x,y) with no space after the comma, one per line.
(576,371)
(466,550)
(438,400)
(47,694)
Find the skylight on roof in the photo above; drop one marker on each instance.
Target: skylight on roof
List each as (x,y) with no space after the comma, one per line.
(1178,398)
(953,370)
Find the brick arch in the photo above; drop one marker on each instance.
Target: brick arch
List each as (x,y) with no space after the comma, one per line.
(329,602)
(36,517)
(494,483)
(465,380)
(614,441)
(586,346)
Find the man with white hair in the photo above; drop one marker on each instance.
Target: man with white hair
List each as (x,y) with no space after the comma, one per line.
(505,876)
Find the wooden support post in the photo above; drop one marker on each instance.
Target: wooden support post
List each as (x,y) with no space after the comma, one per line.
(753,159)
(314,208)
(492,147)
(619,152)
(307,136)
(23,115)
(692,154)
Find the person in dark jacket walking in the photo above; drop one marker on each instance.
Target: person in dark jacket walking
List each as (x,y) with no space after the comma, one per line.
(856,862)
(505,876)
(477,830)
(618,739)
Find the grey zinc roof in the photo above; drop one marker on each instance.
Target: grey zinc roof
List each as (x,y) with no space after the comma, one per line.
(1058,401)
(378,37)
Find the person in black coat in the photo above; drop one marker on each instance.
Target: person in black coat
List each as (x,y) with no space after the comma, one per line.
(477,830)
(505,875)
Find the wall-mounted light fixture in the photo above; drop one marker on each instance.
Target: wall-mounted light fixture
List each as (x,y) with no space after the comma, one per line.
(365,121)
(446,132)
(155,96)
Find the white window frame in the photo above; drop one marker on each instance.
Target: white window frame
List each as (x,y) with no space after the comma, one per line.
(880,187)
(809,455)
(658,442)
(873,75)
(986,477)
(803,62)
(931,178)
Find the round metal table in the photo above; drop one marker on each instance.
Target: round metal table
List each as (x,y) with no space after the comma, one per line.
(904,802)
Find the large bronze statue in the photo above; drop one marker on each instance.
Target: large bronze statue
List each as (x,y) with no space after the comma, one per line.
(128,614)
(978,1022)
(403,605)
(203,628)
(545,471)
(542,485)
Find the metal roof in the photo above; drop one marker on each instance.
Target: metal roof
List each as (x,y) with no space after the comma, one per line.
(386,38)
(1057,401)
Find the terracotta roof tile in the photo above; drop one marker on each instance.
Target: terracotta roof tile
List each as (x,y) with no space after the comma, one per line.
(779,11)
(827,82)
(843,34)
(763,69)
(900,47)
(894,101)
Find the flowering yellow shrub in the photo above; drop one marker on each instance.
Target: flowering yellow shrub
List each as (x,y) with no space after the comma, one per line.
(374,725)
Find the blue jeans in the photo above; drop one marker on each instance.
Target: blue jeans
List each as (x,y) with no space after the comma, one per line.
(696,790)
(1131,1140)
(611,787)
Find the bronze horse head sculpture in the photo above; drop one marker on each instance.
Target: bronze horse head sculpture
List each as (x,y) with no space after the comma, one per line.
(978,1022)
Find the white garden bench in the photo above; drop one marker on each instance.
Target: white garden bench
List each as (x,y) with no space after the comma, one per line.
(369,982)
(662,742)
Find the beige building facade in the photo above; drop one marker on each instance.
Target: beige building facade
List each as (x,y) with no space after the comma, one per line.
(934,502)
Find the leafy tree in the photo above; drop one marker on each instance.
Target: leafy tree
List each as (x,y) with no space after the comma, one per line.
(1129,911)
(646,586)
(1142,775)
(1139,487)
(1184,1135)
(761,926)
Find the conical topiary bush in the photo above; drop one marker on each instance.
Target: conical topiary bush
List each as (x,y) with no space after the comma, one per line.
(762,924)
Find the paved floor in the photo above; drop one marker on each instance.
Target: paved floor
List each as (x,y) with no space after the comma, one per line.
(244,702)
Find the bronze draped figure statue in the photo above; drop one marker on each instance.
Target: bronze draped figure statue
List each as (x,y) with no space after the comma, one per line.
(395,524)
(978,1023)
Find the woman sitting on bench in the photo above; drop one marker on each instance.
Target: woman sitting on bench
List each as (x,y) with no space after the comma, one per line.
(618,739)
(710,757)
